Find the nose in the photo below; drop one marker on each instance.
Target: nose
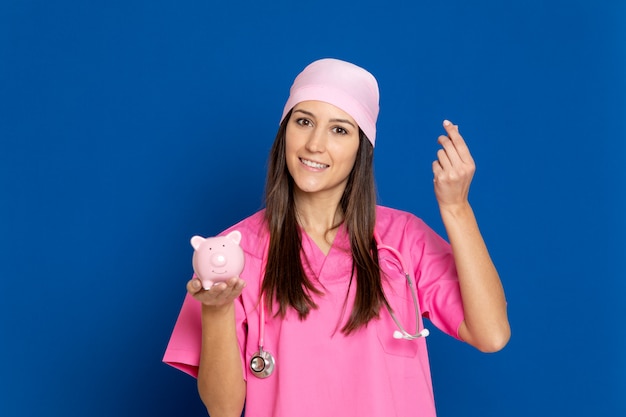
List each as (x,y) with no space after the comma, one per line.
(218,259)
(316,141)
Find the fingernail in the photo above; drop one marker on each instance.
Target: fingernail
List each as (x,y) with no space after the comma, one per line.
(195,284)
(447,123)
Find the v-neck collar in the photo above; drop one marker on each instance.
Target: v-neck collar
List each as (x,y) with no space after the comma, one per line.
(331,266)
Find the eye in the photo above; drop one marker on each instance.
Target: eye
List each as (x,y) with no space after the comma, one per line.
(340,130)
(304,122)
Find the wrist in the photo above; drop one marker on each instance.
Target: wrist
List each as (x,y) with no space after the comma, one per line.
(456,210)
(214,312)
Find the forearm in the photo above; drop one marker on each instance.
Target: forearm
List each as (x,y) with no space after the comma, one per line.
(220,378)
(486,326)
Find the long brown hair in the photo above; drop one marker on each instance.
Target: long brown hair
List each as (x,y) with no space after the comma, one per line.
(285,281)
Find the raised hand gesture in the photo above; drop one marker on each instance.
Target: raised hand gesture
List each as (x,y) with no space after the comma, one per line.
(454,168)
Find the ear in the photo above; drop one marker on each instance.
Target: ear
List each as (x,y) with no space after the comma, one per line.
(235,236)
(196,241)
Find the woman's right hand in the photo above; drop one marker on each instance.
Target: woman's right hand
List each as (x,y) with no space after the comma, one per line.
(220,294)
(220,383)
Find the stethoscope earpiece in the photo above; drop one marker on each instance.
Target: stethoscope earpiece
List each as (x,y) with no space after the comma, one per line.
(399,335)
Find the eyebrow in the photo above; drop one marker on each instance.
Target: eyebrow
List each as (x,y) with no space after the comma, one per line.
(308,113)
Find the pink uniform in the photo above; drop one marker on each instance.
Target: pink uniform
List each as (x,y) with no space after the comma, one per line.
(320,371)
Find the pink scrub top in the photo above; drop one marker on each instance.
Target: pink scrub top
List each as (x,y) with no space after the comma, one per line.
(319,370)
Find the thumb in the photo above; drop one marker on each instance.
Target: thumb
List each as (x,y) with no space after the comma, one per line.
(194,285)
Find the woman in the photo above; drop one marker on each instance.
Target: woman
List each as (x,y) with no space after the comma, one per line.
(323,320)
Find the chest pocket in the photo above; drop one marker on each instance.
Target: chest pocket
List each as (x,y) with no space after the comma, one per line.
(398,294)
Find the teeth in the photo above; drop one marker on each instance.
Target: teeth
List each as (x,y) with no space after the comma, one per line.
(313,164)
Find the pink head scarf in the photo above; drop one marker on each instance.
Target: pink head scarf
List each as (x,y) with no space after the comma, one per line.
(342,84)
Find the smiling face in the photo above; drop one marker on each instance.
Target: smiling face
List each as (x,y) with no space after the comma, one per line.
(320,148)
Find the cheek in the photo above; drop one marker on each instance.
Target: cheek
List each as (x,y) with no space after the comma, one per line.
(348,154)
(289,145)
(290,155)
(292,141)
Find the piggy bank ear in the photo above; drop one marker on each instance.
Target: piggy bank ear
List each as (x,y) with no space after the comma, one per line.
(235,236)
(196,241)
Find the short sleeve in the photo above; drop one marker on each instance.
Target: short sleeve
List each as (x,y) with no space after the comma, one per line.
(437,279)
(183,349)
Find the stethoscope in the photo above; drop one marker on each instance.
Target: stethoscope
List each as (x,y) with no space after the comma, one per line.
(262,363)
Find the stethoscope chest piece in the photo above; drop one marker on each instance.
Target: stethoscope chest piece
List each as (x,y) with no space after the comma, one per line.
(262,364)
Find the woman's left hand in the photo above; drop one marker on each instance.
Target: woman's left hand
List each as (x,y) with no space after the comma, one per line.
(454,168)
(485,325)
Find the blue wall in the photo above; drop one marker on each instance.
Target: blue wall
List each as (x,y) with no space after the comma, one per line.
(128,126)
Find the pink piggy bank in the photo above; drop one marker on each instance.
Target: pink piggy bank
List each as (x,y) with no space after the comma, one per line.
(216,259)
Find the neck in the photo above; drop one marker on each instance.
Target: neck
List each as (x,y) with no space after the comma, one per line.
(316,214)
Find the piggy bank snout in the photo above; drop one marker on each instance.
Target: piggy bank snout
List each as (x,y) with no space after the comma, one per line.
(218,259)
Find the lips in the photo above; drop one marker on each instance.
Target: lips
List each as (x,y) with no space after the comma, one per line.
(313,164)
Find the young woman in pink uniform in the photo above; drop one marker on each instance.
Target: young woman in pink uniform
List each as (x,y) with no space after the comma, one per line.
(326,317)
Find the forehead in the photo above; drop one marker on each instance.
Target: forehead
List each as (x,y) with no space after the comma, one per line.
(323,110)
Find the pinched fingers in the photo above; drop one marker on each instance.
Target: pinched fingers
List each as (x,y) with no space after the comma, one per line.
(454,144)
(453,159)
(454,168)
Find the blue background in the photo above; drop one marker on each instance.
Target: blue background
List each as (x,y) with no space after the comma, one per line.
(128,126)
